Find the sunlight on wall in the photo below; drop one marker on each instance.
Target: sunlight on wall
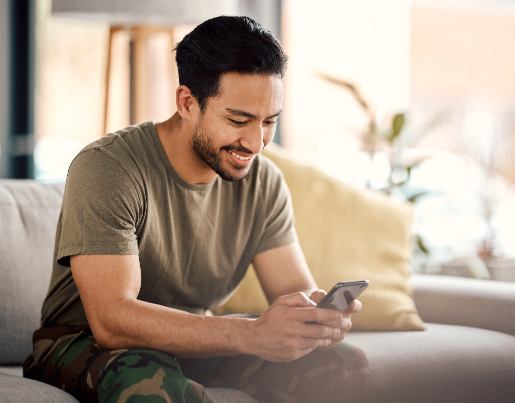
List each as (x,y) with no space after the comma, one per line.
(69,76)
(364,42)
(53,156)
(460,68)
(70,59)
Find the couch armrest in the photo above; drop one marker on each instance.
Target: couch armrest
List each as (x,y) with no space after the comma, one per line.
(468,302)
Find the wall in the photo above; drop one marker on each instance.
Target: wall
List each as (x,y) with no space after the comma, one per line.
(462,61)
(365,42)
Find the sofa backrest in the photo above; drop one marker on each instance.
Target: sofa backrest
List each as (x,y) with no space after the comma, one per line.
(28,218)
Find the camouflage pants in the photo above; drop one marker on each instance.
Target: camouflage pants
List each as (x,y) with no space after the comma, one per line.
(71,360)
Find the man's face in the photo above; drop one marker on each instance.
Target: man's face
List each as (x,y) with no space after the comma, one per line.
(238,123)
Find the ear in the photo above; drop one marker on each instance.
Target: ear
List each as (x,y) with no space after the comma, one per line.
(186,102)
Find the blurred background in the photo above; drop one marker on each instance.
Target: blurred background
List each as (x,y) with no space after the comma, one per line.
(412,98)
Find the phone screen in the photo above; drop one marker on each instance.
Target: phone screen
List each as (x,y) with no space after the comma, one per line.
(343,294)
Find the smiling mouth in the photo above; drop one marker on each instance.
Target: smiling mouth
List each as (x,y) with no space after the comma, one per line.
(240,157)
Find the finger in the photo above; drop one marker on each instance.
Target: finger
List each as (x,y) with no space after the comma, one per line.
(320,331)
(296,300)
(344,324)
(319,315)
(309,343)
(317,296)
(335,340)
(354,307)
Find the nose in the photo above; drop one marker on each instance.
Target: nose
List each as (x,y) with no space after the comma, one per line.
(257,137)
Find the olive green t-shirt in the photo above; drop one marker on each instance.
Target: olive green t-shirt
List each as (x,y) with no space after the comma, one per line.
(194,242)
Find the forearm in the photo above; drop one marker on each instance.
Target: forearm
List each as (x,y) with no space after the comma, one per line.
(119,320)
(283,271)
(280,334)
(138,324)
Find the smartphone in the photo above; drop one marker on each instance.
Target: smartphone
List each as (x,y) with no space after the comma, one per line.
(343,294)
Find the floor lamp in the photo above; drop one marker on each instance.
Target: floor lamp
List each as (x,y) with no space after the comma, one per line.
(142,19)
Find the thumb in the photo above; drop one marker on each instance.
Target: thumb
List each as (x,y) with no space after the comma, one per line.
(296,300)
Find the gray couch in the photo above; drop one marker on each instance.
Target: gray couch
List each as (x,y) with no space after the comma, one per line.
(467,353)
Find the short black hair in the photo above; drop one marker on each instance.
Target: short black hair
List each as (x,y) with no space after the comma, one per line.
(226,44)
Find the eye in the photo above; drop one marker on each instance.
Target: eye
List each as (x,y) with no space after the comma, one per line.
(238,122)
(270,122)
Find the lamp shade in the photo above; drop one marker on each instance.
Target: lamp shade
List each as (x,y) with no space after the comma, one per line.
(148,12)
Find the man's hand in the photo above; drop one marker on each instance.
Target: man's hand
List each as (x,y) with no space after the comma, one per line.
(343,323)
(281,334)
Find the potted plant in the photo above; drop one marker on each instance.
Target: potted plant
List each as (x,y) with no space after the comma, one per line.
(388,139)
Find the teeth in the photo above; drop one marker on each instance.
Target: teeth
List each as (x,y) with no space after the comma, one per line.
(240,157)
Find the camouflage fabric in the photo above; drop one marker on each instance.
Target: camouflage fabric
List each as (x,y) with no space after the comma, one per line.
(72,361)
(75,363)
(337,375)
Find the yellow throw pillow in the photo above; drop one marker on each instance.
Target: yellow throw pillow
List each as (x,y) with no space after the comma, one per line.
(346,234)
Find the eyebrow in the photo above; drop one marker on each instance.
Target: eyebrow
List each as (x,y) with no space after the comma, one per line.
(239,112)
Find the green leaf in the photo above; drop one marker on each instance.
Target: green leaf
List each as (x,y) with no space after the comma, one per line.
(408,172)
(420,243)
(397,125)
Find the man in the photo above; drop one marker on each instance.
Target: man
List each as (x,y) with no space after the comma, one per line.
(159,223)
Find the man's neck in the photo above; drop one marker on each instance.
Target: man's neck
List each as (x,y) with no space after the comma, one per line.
(176,140)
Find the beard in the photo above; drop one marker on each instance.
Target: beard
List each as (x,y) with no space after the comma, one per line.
(207,153)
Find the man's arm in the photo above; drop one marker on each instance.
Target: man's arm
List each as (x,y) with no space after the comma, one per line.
(109,285)
(284,270)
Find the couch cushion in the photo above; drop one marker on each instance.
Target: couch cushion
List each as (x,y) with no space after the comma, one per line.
(443,364)
(14,389)
(346,234)
(28,217)
(13,370)
(463,301)
(217,395)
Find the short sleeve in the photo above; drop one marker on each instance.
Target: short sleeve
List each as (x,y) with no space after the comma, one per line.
(280,222)
(101,208)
